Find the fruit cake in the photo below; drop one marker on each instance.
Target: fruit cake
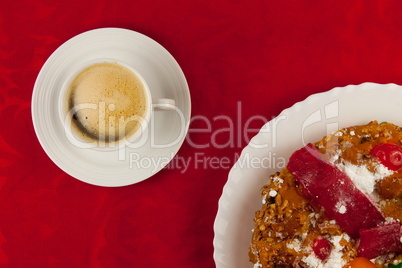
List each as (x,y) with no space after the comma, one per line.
(338,203)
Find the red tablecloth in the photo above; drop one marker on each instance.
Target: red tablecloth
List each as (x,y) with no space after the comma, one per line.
(240,58)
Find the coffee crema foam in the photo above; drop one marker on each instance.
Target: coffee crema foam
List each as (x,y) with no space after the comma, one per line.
(107,101)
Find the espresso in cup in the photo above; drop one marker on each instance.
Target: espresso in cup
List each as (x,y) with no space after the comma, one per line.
(106,102)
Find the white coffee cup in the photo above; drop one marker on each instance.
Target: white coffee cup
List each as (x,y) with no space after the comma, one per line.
(98,80)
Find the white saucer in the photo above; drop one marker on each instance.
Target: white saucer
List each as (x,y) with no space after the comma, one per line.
(165,79)
(268,152)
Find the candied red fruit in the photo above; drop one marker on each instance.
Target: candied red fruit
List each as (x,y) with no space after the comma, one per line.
(390,155)
(322,248)
(327,186)
(379,240)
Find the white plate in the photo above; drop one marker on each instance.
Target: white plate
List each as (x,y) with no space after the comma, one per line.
(165,79)
(306,121)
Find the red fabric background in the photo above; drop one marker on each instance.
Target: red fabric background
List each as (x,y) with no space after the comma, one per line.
(266,55)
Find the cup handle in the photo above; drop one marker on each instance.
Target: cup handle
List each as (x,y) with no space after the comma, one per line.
(162,104)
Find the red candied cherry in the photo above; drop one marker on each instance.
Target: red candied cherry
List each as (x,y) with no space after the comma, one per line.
(390,155)
(322,248)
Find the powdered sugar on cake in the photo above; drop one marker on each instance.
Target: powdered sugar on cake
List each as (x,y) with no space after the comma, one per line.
(334,260)
(364,179)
